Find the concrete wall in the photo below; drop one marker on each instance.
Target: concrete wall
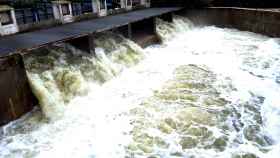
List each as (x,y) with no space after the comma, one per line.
(247,3)
(16,97)
(180,3)
(38,26)
(144,32)
(255,20)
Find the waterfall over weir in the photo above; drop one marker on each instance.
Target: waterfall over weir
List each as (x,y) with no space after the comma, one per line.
(59,73)
(203,92)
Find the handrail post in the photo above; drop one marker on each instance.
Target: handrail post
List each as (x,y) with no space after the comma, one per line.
(8,22)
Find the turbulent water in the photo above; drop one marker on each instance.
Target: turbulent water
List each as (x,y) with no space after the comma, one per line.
(203,92)
(59,73)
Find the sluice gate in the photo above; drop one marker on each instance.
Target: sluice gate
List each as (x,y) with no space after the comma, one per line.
(16,96)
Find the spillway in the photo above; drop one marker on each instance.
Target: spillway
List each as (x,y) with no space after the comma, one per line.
(202,92)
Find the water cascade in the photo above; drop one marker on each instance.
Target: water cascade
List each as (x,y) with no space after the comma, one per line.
(203,92)
(59,73)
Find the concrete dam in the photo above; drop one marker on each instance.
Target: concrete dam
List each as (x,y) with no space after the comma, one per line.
(140,79)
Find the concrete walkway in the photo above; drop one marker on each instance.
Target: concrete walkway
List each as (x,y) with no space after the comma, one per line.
(31,40)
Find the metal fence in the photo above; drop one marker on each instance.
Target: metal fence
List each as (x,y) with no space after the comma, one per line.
(82,7)
(136,2)
(112,4)
(39,12)
(43,11)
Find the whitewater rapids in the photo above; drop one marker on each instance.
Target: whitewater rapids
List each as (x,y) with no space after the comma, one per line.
(203,92)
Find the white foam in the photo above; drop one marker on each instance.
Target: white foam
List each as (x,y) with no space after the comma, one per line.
(97,125)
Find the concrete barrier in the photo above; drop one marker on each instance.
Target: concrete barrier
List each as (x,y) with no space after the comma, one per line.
(263,21)
(15,94)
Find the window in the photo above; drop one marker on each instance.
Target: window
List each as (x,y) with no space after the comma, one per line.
(65,9)
(6,18)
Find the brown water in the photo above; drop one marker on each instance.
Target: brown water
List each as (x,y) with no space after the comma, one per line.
(204,92)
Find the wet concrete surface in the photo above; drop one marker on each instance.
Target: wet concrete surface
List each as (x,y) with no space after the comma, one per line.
(15,94)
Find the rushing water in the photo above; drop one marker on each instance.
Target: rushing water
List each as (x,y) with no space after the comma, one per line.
(204,92)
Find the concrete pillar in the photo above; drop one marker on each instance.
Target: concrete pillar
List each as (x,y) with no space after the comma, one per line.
(8,22)
(129,31)
(146,3)
(16,96)
(154,23)
(146,26)
(128,4)
(144,32)
(167,17)
(99,7)
(85,43)
(62,11)
(123,3)
(126,31)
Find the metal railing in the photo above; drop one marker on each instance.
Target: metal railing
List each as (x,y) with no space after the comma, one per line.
(32,15)
(35,13)
(112,4)
(82,7)
(42,10)
(136,2)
